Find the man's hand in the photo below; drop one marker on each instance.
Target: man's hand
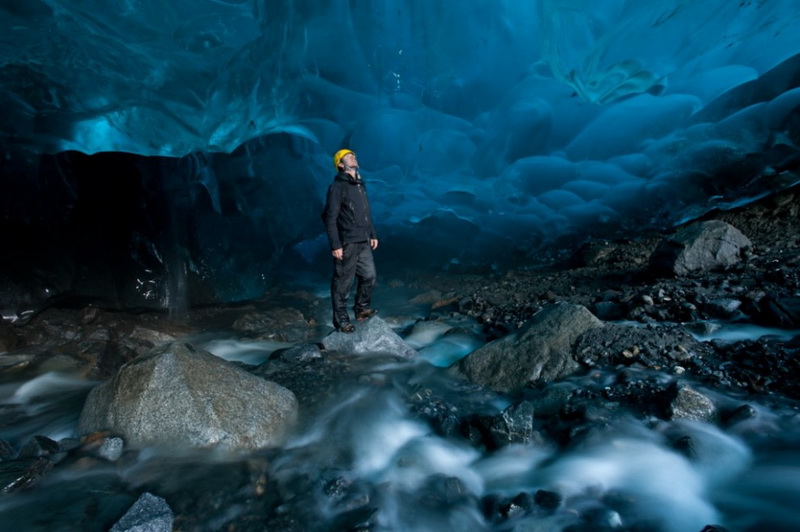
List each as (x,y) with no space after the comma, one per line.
(373,243)
(338,254)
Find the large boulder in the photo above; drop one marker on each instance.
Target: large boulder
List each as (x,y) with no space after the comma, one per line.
(540,351)
(373,336)
(700,247)
(180,396)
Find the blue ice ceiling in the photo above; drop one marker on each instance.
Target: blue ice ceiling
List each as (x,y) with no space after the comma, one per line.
(487,129)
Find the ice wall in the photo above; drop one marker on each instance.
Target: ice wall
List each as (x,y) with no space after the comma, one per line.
(487,129)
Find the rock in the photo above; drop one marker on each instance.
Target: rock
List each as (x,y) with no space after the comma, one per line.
(780,311)
(111,449)
(149,514)
(699,248)
(539,351)
(515,425)
(9,339)
(742,413)
(723,307)
(371,336)
(180,396)
(149,337)
(6,451)
(686,403)
(39,447)
(548,499)
(297,353)
(17,475)
(282,324)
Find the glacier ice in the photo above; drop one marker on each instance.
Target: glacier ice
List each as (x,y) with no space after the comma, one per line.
(486,131)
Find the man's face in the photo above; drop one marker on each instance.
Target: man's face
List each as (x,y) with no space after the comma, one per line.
(350,160)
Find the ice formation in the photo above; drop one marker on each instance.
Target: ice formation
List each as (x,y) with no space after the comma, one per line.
(168,152)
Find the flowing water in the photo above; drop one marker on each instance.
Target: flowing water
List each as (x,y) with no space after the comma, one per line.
(366,444)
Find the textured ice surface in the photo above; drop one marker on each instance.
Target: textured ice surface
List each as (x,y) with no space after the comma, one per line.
(485,130)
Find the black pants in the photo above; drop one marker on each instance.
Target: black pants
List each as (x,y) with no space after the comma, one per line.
(357,262)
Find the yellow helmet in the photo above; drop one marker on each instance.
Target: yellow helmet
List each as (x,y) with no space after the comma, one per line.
(339,155)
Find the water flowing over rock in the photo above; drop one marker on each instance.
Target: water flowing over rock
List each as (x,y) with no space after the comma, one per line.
(181,396)
(700,247)
(540,351)
(371,337)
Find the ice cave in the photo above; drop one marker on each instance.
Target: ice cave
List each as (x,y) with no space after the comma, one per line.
(161,156)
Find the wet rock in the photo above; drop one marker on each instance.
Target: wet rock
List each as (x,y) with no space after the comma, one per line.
(442,491)
(550,400)
(685,446)
(722,308)
(742,413)
(39,447)
(548,499)
(22,473)
(298,353)
(345,494)
(282,324)
(686,403)
(779,311)
(102,445)
(521,504)
(178,395)
(515,425)
(360,519)
(9,340)
(700,247)
(111,449)
(371,337)
(149,514)
(18,360)
(540,351)
(7,452)
(149,337)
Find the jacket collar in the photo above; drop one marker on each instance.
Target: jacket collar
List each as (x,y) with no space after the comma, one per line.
(344,176)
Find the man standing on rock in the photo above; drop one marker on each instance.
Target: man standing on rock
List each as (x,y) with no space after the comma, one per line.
(352,238)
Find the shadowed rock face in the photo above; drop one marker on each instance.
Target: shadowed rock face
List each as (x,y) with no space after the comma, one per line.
(540,351)
(180,396)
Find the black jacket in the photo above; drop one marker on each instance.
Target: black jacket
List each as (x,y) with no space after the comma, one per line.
(347,214)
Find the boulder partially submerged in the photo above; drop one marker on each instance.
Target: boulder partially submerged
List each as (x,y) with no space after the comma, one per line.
(181,396)
(540,351)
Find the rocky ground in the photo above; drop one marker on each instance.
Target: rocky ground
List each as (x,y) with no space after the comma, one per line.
(643,363)
(617,282)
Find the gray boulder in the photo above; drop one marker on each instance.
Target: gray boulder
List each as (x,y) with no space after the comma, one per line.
(540,351)
(373,336)
(148,514)
(700,247)
(180,396)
